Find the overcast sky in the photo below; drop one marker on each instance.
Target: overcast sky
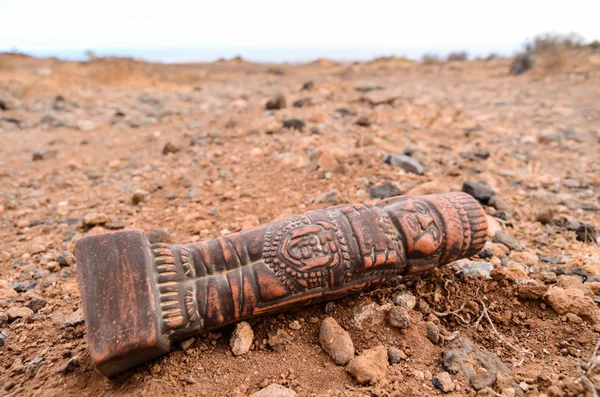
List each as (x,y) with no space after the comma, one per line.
(476,26)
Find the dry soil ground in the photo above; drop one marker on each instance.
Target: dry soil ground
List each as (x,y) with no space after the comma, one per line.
(81,140)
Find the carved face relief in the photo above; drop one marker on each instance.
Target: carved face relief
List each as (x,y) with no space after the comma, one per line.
(311,246)
(421,228)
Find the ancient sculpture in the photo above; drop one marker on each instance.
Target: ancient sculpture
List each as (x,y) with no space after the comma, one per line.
(138,297)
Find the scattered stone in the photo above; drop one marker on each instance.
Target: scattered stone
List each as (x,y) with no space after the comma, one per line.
(274,390)
(36,304)
(92,219)
(545,216)
(504,238)
(384,191)
(3,337)
(138,196)
(15,313)
(574,318)
(521,64)
(65,258)
(398,317)
(474,269)
(443,382)
(464,358)
(295,325)
(6,290)
(169,148)
(395,355)
(548,277)
(433,332)
(187,343)
(530,289)
(370,365)
(499,204)
(345,112)
(405,162)
(363,121)
(380,97)
(241,338)
(23,286)
(158,235)
(482,380)
(331,197)
(44,155)
(336,341)
(404,299)
(276,103)
(87,125)
(307,85)
(574,301)
(303,102)
(72,319)
(586,233)
(480,190)
(69,366)
(278,340)
(294,124)
(369,315)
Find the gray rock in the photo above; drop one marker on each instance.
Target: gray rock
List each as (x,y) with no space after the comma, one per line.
(22,286)
(294,124)
(336,341)
(72,320)
(405,162)
(395,355)
(36,304)
(464,358)
(504,238)
(404,299)
(331,197)
(498,203)
(303,102)
(44,155)
(398,317)
(3,337)
(158,235)
(482,380)
(480,190)
(345,112)
(274,390)
(586,233)
(384,191)
(69,366)
(87,125)
(65,258)
(241,338)
(443,382)
(474,269)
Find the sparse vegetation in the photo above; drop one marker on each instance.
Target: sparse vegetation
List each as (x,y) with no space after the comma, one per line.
(458,56)
(595,44)
(429,59)
(551,41)
(550,51)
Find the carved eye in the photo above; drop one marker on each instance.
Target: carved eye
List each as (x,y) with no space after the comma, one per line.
(435,233)
(421,208)
(412,223)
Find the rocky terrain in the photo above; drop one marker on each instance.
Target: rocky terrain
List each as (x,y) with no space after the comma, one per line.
(190,152)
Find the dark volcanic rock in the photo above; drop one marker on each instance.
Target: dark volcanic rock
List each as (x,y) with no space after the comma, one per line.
(586,233)
(504,238)
(308,85)
(294,124)
(169,148)
(22,286)
(384,191)
(303,102)
(345,112)
(276,103)
(363,121)
(480,190)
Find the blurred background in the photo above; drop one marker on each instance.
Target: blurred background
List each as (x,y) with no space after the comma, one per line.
(272,31)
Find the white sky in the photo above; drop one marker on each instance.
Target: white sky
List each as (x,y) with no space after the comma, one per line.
(502,25)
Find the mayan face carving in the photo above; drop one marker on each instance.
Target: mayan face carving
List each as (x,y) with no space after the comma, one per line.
(311,246)
(421,227)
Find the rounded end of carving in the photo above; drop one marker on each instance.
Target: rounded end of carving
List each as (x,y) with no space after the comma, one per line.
(466,226)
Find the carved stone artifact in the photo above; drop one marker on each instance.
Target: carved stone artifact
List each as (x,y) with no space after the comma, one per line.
(138,298)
